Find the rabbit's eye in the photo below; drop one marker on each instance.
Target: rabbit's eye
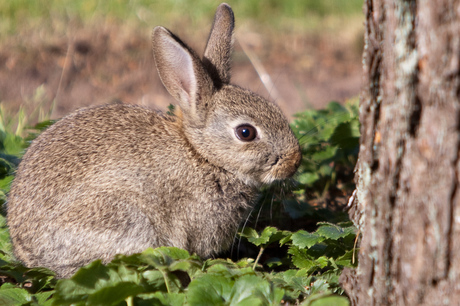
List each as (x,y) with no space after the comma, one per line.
(246,132)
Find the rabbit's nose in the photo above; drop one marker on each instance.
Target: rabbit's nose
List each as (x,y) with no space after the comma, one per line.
(298,158)
(293,162)
(288,164)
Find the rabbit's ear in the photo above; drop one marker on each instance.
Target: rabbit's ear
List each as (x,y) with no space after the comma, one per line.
(180,70)
(219,46)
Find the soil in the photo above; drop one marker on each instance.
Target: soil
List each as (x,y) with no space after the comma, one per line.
(96,66)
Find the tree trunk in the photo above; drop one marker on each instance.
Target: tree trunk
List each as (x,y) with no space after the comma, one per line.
(408,199)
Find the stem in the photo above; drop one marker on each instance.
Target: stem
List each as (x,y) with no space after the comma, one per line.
(129,301)
(354,246)
(258,257)
(166,280)
(264,76)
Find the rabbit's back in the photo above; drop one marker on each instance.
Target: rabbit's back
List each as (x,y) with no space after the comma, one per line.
(99,146)
(118,179)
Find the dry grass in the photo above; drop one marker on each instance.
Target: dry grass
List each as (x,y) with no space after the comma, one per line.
(86,52)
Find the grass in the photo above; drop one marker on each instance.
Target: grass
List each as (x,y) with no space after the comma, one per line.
(55,15)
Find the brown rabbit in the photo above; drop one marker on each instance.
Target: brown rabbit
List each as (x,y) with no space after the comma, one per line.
(120,178)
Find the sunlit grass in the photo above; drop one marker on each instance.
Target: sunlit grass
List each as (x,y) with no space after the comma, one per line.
(55,15)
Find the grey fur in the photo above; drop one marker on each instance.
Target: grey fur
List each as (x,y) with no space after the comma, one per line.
(120,178)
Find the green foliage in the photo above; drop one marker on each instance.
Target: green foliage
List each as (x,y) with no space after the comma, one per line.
(268,235)
(327,136)
(6,250)
(295,262)
(329,139)
(167,275)
(11,147)
(12,295)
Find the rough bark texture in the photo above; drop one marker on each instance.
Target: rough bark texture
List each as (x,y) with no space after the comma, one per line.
(408,169)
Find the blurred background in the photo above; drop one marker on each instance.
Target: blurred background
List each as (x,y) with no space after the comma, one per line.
(60,55)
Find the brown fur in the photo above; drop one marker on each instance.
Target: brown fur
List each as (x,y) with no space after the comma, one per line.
(119,178)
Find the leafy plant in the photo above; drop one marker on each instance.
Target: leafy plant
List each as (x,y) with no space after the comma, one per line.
(329,140)
(11,146)
(169,275)
(277,260)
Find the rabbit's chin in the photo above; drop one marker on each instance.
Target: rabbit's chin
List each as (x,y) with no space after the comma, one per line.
(265,179)
(250,181)
(270,178)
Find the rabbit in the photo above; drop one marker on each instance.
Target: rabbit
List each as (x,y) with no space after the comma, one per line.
(119,178)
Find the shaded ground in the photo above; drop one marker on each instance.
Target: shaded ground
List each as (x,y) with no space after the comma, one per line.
(95,66)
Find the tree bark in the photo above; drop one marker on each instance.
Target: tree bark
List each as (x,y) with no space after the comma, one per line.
(408,205)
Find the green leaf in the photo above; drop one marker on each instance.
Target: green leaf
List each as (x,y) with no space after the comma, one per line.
(336,107)
(294,282)
(11,295)
(319,286)
(273,262)
(5,183)
(346,134)
(209,290)
(335,300)
(334,232)
(44,298)
(223,270)
(13,145)
(163,257)
(300,258)
(6,167)
(304,239)
(114,294)
(245,290)
(185,265)
(268,235)
(308,178)
(41,279)
(252,290)
(5,242)
(230,271)
(249,232)
(324,155)
(96,283)
(2,198)
(209,263)
(245,263)
(41,126)
(159,298)
(155,279)
(172,252)
(346,259)
(286,239)
(321,261)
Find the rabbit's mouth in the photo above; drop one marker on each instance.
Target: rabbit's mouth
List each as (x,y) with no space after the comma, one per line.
(277,159)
